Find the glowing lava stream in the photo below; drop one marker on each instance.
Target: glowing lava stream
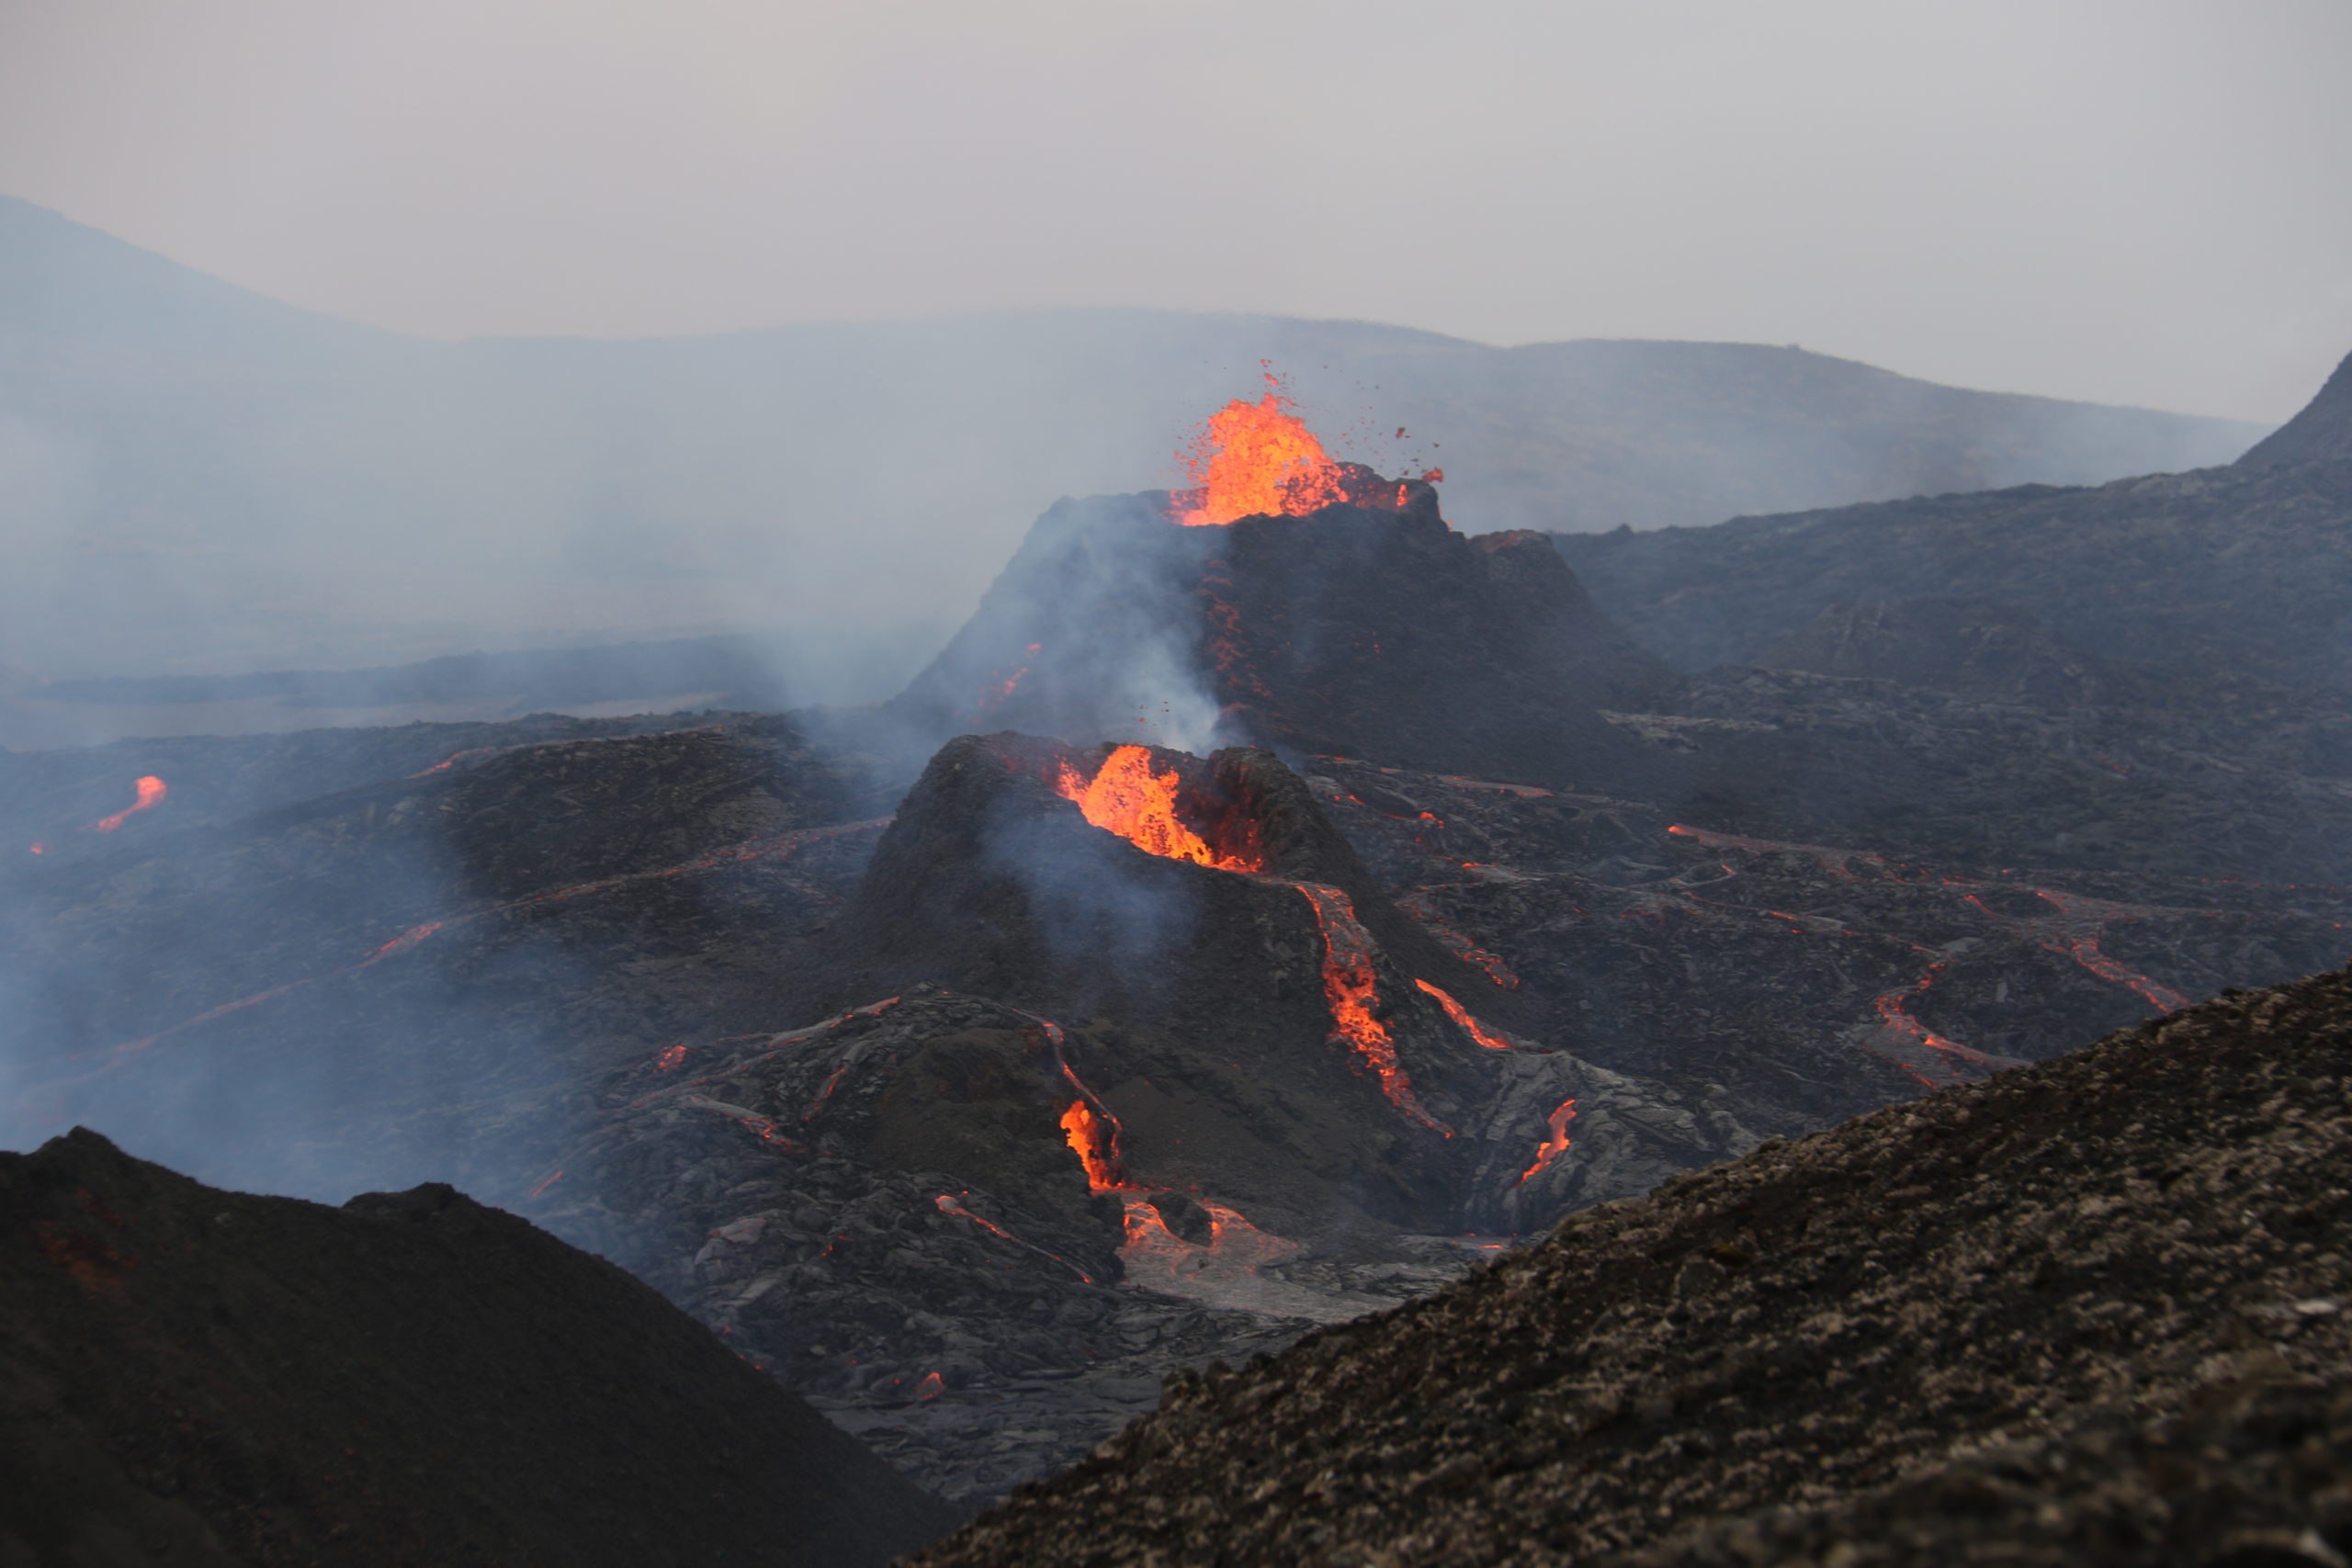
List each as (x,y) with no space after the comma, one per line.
(1893,1016)
(757,848)
(1352,988)
(151,790)
(1555,1144)
(1469,1025)
(1257,459)
(2067,936)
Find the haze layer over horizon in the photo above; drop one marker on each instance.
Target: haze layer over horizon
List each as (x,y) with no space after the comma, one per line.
(2132,203)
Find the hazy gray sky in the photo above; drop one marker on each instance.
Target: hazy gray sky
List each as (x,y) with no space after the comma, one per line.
(2133,200)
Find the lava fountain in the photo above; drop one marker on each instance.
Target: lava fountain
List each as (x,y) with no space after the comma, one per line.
(1254,459)
(1129,796)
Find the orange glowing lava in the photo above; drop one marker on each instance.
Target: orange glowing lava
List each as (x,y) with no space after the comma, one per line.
(1460,1015)
(1095,1141)
(1256,459)
(1556,1140)
(1351,987)
(1127,797)
(151,791)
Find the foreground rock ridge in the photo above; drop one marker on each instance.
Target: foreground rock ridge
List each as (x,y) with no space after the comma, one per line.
(198,1377)
(2094,1309)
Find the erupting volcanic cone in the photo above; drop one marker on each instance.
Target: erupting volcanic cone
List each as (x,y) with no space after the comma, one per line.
(1204,906)
(1342,616)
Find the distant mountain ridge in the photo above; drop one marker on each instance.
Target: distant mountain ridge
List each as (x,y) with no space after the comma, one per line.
(2234,571)
(2323,430)
(203,480)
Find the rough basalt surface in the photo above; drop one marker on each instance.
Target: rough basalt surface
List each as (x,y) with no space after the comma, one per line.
(189,1376)
(2094,1309)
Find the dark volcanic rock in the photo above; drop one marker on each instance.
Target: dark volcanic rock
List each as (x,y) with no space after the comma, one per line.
(197,1376)
(2095,1311)
(1800,982)
(1974,646)
(2237,572)
(2322,431)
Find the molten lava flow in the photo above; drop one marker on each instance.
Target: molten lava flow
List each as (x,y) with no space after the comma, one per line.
(2080,922)
(1095,1140)
(1153,1253)
(151,791)
(1257,459)
(1895,1019)
(1469,1025)
(1555,1141)
(1351,987)
(1126,797)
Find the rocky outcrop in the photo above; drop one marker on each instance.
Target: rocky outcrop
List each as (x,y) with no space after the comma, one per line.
(2092,1310)
(196,1376)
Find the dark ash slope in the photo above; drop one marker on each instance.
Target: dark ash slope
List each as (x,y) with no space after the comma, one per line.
(2241,570)
(200,1377)
(2238,570)
(2090,1311)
